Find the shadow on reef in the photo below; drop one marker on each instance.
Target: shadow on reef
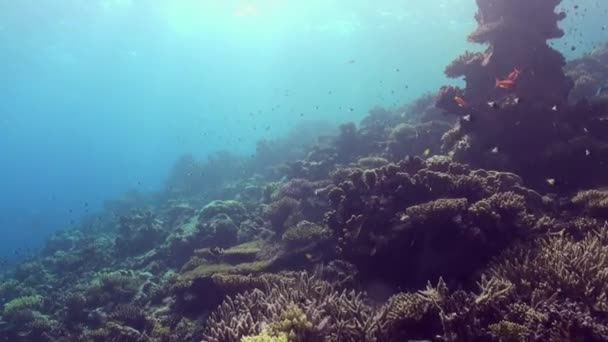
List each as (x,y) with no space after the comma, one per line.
(477,214)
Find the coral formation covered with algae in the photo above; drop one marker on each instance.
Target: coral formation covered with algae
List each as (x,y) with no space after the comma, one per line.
(403,227)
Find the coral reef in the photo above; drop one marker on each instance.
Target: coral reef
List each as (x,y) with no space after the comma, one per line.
(475,214)
(450,218)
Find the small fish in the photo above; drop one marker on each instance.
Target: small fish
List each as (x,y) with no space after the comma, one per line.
(554,108)
(587,152)
(494,104)
(312,258)
(585,129)
(550,181)
(517,100)
(495,149)
(460,101)
(602,90)
(352,61)
(426,152)
(467,118)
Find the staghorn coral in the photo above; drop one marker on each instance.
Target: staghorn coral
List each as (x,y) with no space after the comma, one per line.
(265,336)
(593,203)
(577,272)
(321,313)
(406,316)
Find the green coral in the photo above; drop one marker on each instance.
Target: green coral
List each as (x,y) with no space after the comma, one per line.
(23,303)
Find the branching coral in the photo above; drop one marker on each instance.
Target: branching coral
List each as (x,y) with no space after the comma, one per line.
(593,202)
(310,309)
(578,272)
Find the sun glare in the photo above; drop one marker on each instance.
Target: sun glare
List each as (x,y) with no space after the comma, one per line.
(245,10)
(248,17)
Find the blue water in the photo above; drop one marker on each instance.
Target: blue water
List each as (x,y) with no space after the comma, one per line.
(98,97)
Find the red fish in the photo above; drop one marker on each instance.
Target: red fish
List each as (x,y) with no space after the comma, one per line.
(460,101)
(510,81)
(505,84)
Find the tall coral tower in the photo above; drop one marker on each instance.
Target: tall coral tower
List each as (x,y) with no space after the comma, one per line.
(516,32)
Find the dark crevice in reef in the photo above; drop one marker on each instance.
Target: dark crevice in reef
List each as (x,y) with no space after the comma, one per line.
(477,216)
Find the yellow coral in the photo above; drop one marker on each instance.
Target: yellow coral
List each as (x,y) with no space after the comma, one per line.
(293,319)
(265,336)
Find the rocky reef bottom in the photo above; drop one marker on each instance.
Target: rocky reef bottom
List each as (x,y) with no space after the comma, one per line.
(347,238)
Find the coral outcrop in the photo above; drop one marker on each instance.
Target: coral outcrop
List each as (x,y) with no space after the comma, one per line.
(514,112)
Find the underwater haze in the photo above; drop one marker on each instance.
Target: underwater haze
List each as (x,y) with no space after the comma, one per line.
(99,97)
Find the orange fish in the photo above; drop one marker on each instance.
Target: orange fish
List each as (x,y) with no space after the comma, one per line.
(460,101)
(509,82)
(505,84)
